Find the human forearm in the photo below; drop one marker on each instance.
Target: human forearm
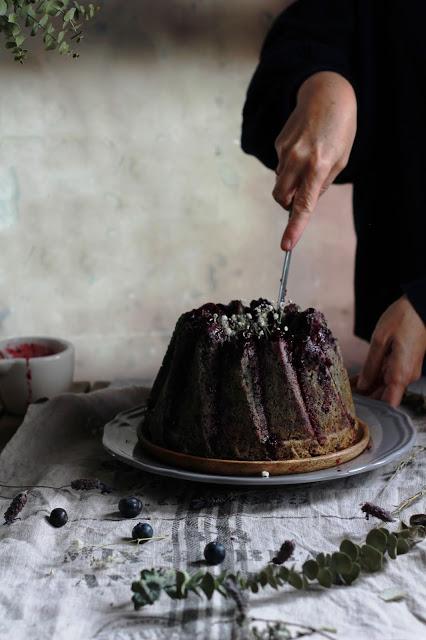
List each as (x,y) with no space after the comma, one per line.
(313,147)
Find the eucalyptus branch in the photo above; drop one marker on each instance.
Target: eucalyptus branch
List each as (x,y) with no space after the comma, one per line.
(56,18)
(343,567)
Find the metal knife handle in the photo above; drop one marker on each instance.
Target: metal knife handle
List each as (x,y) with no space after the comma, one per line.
(284,276)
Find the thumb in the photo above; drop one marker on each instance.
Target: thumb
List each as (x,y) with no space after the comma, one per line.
(370,374)
(304,203)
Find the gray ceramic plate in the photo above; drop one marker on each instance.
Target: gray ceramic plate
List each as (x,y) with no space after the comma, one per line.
(392,434)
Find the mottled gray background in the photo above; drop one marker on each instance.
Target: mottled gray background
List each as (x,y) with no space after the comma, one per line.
(125,198)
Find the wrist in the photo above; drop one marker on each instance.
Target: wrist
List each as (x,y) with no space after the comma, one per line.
(329,84)
(411,309)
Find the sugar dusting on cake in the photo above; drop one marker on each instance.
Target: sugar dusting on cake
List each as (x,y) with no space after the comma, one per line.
(263,319)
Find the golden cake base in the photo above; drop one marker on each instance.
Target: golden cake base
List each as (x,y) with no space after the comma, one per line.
(255,467)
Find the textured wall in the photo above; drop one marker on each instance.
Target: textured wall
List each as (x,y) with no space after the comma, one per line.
(125,198)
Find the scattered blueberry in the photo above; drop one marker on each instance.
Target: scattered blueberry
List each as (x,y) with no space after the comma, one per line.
(214,552)
(130,507)
(142,530)
(58,517)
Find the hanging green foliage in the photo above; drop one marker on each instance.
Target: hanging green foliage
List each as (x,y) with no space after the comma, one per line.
(57,22)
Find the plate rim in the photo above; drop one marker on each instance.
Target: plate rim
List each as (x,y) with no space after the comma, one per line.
(156,467)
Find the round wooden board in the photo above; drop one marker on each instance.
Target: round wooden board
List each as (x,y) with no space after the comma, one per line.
(255,467)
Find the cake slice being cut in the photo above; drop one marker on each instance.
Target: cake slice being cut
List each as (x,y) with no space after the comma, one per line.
(251,382)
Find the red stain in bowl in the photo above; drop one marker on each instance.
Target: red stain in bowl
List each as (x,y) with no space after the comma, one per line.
(27,350)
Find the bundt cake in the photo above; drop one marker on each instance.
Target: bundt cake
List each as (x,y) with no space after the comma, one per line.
(254,382)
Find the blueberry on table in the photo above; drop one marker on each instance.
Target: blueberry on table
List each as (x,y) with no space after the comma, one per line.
(130,507)
(142,530)
(58,517)
(214,552)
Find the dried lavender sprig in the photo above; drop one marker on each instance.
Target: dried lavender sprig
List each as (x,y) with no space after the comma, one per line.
(378,512)
(285,552)
(15,507)
(88,484)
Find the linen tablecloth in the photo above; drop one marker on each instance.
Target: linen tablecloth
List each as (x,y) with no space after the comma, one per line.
(74,582)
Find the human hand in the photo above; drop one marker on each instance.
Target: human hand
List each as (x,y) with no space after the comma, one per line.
(313,147)
(395,357)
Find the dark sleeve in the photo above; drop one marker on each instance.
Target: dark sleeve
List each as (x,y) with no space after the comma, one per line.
(416,293)
(309,36)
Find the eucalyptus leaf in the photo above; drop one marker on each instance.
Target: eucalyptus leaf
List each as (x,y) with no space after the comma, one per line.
(283,573)
(321,559)
(182,579)
(371,558)
(64,48)
(351,549)
(348,578)
(254,586)
(402,546)
(3,8)
(341,562)
(208,585)
(325,577)
(263,578)
(270,576)
(272,581)
(19,40)
(70,14)
(310,569)
(378,539)
(49,42)
(295,580)
(391,545)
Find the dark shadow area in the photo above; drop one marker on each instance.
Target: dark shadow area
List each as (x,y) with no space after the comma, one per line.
(160,29)
(196,24)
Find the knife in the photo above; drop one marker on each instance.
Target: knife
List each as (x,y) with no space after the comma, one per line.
(284,275)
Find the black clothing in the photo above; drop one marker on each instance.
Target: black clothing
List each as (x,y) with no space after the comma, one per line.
(379,47)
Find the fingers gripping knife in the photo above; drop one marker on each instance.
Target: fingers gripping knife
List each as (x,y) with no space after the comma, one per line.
(284,276)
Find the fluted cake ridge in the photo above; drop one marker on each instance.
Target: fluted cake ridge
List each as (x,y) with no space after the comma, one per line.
(251,382)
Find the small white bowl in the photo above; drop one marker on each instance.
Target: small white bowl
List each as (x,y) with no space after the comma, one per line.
(26,379)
